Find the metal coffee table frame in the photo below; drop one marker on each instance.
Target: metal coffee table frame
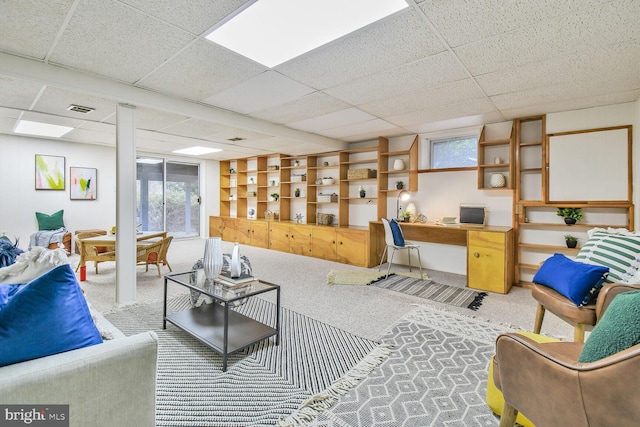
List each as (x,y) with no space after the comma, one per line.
(216,325)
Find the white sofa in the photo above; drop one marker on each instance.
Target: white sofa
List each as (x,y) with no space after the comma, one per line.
(108,384)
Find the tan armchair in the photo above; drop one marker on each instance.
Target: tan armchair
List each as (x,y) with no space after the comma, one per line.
(155,254)
(546,383)
(97,254)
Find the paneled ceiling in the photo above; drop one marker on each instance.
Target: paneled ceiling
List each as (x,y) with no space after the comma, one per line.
(438,64)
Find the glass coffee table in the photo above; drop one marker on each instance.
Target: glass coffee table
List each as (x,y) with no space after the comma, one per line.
(217,324)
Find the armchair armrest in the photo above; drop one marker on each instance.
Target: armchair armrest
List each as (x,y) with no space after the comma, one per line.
(608,293)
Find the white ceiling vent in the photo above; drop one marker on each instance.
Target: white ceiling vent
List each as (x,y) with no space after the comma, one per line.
(80,109)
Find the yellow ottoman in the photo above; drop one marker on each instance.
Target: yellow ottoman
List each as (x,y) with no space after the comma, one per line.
(495,400)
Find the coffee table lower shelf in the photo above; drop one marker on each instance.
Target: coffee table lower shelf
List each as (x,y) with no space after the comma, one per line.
(207,324)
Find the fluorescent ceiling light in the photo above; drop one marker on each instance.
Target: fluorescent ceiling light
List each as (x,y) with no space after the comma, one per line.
(148,160)
(196,151)
(274,31)
(41,129)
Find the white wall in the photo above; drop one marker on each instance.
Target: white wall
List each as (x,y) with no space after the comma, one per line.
(20,200)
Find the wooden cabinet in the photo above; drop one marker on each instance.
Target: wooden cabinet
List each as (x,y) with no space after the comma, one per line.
(323,243)
(279,236)
(300,239)
(495,156)
(490,260)
(223,227)
(351,246)
(252,232)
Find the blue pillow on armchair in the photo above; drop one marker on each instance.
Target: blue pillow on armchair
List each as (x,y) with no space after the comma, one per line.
(46,316)
(575,280)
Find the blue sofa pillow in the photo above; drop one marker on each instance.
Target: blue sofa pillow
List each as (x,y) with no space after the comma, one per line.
(48,315)
(396,231)
(617,330)
(575,280)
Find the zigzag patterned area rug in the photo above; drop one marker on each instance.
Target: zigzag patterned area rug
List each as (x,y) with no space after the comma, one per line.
(264,384)
(435,376)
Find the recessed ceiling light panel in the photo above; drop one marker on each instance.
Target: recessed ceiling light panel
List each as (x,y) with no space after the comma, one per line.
(196,151)
(41,129)
(274,31)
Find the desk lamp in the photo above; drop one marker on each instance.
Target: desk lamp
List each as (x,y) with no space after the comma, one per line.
(404,196)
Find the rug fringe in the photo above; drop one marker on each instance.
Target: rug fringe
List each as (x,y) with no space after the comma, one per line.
(325,400)
(380,278)
(477,301)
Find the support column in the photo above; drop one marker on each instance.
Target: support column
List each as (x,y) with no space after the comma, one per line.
(125,204)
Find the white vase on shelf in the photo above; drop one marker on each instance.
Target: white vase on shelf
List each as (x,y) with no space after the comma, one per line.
(212,260)
(398,165)
(498,180)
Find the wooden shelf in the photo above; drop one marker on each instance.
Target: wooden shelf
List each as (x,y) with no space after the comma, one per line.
(530,144)
(552,248)
(565,226)
(360,162)
(503,141)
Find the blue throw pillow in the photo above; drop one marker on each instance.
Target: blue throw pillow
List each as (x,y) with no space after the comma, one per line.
(396,231)
(575,280)
(48,315)
(617,330)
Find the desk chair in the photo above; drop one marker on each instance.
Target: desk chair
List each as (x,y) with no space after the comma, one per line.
(396,242)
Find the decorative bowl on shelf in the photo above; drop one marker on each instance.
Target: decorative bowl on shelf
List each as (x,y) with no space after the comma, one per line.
(327,181)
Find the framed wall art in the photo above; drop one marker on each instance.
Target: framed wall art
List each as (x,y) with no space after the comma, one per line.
(83,183)
(49,172)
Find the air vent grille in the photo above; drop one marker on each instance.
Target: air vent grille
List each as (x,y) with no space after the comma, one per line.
(80,109)
(235,139)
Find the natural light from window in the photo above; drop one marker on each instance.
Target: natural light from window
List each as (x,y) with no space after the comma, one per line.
(274,31)
(454,152)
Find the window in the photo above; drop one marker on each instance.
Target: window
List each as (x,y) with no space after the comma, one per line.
(456,152)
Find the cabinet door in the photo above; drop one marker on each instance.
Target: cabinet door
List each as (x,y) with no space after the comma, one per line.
(486,269)
(351,247)
(243,231)
(323,243)
(279,236)
(229,230)
(216,226)
(300,239)
(260,234)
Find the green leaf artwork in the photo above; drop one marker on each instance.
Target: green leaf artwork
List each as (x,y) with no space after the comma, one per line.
(49,172)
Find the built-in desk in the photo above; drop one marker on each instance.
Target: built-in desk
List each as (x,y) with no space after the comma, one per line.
(490,249)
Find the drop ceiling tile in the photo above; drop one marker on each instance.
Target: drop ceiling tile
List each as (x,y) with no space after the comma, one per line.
(263,91)
(98,127)
(56,101)
(9,113)
(374,135)
(18,93)
(237,133)
(480,20)
(607,24)
(196,128)
(311,105)
(84,135)
(108,38)
(366,127)
(562,92)
(201,70)
(399,39)
(7,124)
(573,104)
(470,107)
(458,122)
(332,120)
(425,73)
(150,119)
(50,119)
(449,93)
(30,30)
(194,16)
(617,62)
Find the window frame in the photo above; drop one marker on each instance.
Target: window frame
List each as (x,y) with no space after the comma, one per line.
(453,138)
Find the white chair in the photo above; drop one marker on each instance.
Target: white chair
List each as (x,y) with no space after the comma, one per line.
(400,245)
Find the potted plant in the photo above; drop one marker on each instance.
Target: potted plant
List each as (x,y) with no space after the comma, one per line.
(570,215)
(362,191)
(297,192)
(275,196)
(406,216)
(399,185)
(327,180)
(571,241)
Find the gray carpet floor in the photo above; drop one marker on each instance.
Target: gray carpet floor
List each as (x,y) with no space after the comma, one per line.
(366,311)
